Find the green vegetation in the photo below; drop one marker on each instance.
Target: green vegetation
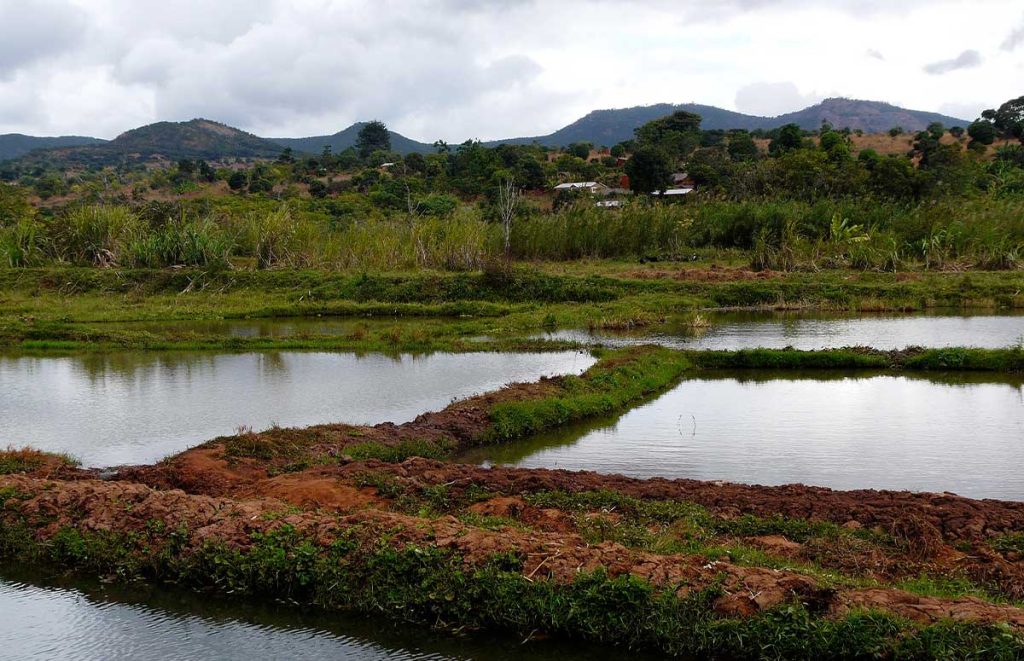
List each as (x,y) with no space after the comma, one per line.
(427,585)
(953,359)
(618,379)
(70,309)
(394,454)
(811,202)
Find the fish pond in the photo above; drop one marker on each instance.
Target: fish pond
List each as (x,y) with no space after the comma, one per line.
(129,408)
(961,433)
(814,330)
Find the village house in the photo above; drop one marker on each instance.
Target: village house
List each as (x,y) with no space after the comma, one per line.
(592,187)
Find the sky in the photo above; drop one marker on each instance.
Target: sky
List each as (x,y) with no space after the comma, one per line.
(460,69)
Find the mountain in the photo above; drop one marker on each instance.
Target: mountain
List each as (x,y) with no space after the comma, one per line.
(195,139)
(346,138)
(206,139)
(608,127)
(869,116)
(13,145)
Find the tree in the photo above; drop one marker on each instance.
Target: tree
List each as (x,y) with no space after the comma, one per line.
(896,131)
(742,147)
(677,134)
(836,145)
(317,188)
(1008,119)
(187,167)
(237,180)
(374,136)
(982,132)
(956,131)
(649,170)
(579,149)
(508,200)
(789,137)
(936,129)
(206,171)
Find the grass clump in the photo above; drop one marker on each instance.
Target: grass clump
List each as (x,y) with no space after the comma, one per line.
(1009,543)
(394,454)
(27,460)
(618,379)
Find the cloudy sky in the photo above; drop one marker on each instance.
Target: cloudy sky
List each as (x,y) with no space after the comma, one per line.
(456,69)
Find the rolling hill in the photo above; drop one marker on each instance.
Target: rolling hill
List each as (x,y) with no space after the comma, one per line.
(346,138)
(194,139)
(13,145)
(210,140)
(608,127)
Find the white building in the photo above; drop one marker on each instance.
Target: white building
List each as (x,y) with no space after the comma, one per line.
(592,187)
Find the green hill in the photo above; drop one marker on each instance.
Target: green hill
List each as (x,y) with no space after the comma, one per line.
(13,145)
(346,138)
(195,139)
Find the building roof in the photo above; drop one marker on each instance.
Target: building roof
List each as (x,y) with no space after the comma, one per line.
(674,191)
(577,184)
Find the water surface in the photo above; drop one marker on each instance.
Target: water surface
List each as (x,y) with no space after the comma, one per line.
(46,618)
(958,433)
(118,408)
(808,331)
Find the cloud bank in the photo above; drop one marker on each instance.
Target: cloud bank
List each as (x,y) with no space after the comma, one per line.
(458,69)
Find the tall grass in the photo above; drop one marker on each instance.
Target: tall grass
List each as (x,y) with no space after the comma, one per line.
(986,232)
(983,232)
(583,230)
(22,244)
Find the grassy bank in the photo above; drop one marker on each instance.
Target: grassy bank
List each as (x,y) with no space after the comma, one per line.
(79,308)
(619,378)
(365,569)
(914,359)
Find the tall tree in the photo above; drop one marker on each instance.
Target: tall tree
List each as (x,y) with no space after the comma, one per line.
(1008,119)
(677,134)
(374,136)
(649,169)
(789,137)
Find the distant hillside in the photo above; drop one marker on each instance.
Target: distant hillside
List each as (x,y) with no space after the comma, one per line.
(13,145)
(608,127)
(346,138)
(196,139)
(206,139)
(869,116)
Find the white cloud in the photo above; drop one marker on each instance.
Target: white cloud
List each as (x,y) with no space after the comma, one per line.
(455,69)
